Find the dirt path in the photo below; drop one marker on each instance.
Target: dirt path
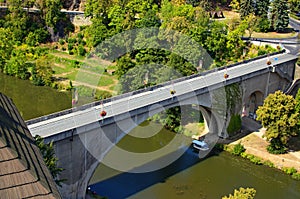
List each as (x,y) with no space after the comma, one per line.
(256,145)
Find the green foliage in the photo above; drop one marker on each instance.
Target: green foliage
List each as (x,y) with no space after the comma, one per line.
(296,176)
(47,151)
(276,146)
(16,65)
(242,193)
(81,50)
(173,118)
(280,15)
(289,170)
(42,72)
(50,10)
(254,159)
(246,8)
(6,46)
(61,41)
(262,7)
(235,4)
(294,5)
(263,25)
(37,37)
(279,117)
(235,124)
(238,149)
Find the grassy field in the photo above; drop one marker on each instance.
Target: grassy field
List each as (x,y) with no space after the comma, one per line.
(90,73)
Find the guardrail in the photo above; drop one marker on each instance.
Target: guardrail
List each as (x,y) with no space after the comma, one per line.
(86,106)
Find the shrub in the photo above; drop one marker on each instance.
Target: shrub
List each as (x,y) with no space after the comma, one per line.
(80,35)
(238,149)
(61,41)
(81,50)
(255,160)
(276,147)
(70,46)
(75,64)
(296,176)
(289,170)
(72,40)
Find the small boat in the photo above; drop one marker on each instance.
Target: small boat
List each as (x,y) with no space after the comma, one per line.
(200,145)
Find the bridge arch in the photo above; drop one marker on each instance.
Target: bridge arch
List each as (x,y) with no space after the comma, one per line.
(98,142)
(252,102)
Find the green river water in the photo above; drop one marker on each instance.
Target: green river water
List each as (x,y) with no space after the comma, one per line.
(188,177)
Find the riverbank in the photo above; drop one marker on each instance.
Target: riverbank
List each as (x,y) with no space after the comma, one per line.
(255,144)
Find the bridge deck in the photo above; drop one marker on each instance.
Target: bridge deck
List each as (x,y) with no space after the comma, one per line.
(117,106)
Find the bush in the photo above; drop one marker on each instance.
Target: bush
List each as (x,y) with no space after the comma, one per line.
(70,46)
(72,40)
(263,25)
(61,41)
(254,159)
(276,147)
(296,176)
(81,50)
(289,170)
(75,64)
(238,149)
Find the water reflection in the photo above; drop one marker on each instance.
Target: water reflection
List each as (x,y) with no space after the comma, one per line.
(33,101)
(189,177)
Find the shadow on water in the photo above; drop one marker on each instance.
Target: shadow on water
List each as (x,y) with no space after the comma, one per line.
(127,184)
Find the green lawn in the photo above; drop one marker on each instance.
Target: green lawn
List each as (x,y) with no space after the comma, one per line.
(106,81)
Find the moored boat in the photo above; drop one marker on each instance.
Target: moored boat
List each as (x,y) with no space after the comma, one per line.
(200,145)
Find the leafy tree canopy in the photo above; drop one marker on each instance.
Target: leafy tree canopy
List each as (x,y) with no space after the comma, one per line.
(48,154)
(242,193)
(278,115)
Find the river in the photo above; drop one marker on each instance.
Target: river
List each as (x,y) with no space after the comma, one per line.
(187,177)
(34,101)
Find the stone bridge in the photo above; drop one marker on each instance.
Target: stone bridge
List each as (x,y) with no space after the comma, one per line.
(83,137)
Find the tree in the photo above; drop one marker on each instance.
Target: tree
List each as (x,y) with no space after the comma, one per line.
(242,193)
(280,15)
(262,8)
(16,65)
(250,23)
(261,11)
(6,46)
(246,8)
(50,10)
(235,4)
(96,8)
(278,115)
(294,5)
(42,72)
(50,160)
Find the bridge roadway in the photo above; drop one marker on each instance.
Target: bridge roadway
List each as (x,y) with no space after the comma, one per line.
(48,127)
